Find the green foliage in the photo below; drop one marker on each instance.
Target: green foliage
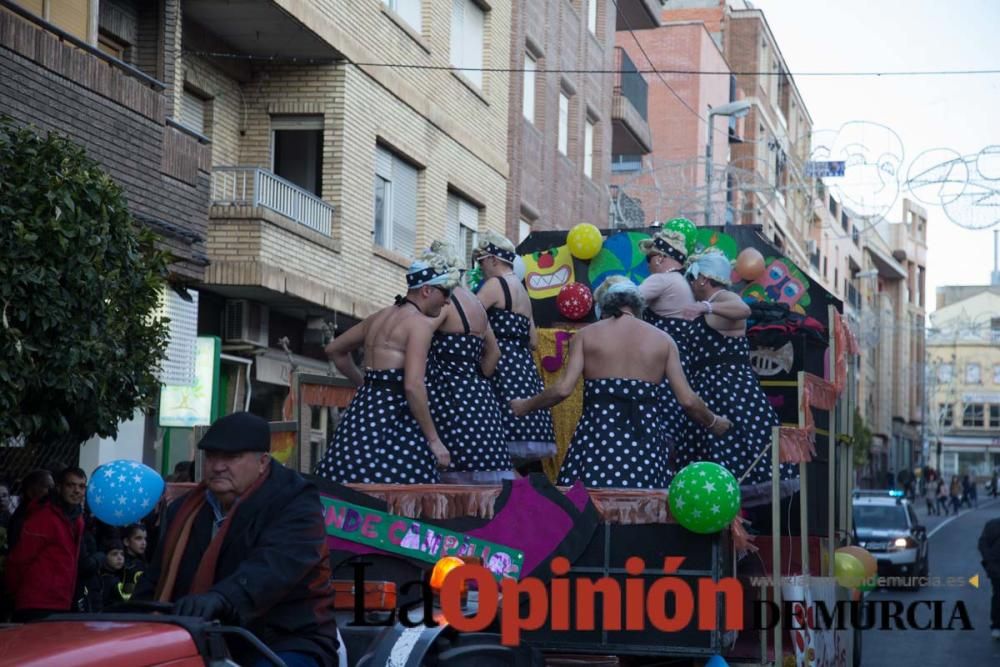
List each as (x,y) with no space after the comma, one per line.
(862,440)
(79,284)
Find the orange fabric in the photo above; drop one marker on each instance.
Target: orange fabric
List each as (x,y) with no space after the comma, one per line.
(796,445)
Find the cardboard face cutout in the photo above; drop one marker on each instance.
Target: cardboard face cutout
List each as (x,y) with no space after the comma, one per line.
(782,282)
(547,271)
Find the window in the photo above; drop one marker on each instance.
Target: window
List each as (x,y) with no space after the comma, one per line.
(972,416)
(972,374)
(592,16)
(297,150)
(73,16)
(395,203)
(945,372)
(623,164)
(111,46)
(530,65)
(946,414)
(563,123)
(588,149)
(193,111)
(995,416)
(463,225)
(409,10)
(467,20)
(523,230)
(996,373)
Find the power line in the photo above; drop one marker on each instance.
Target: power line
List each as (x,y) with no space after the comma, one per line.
(654,70)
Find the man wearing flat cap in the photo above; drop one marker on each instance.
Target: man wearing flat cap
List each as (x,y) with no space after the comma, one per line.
(248,547)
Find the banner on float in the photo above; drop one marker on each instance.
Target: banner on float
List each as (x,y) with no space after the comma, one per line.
(415,539)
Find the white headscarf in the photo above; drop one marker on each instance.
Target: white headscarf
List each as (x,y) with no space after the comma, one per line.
(711,264)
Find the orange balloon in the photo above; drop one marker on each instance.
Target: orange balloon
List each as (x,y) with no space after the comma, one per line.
(871,565)
(750,264)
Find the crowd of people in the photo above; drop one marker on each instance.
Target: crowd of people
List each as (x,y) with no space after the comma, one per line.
(55,556)
(450,391)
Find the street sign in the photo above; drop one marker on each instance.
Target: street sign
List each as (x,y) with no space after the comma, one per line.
(824,169)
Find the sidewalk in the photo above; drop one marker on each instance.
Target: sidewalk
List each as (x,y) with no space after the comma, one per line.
(920,506)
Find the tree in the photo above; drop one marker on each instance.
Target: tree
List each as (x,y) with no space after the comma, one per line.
(862,440)
(79,285)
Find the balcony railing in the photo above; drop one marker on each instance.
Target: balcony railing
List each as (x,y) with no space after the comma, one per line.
(630,83)
(252,186)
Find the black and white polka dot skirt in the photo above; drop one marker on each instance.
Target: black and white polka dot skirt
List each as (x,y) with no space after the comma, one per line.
(378,441)
(620,440)
(466,412)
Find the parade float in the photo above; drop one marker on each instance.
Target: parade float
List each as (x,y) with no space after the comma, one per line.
(800,351)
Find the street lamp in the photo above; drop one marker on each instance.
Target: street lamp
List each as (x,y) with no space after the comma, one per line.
(738,109)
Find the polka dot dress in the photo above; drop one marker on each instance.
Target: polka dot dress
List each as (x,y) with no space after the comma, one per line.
(465,410)
(675,420)
(619,440)
(720,373)
(378,440)
(531,436)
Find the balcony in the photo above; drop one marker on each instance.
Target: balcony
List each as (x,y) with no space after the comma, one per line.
(630,130)
(261,28)
(637,14)
(254,187)
(273,242)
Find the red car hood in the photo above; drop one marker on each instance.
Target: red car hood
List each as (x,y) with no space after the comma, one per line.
(97,644)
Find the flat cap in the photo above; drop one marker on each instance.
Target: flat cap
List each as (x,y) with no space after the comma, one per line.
(238,432)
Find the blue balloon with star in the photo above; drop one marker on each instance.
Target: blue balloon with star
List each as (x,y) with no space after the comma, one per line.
(123,492)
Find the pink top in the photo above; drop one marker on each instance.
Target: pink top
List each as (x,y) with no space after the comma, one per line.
(666,293)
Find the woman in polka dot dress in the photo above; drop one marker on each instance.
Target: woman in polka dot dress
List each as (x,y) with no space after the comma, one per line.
(620,440)
(508,307)
(719,370)
(465,409)
(387,435)
(666,292)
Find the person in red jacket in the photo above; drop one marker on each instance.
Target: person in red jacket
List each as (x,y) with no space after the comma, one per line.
(41,569)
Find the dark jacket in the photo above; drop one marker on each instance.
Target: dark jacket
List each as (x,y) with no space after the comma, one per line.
(273,567)
(101,591)
(41,569)
(989,547)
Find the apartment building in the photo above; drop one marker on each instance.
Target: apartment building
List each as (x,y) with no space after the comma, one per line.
(892,338)
(670,180)
(963,377)
(575,100)
(345,137)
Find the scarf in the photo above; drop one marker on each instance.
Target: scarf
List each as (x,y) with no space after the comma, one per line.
(180,532)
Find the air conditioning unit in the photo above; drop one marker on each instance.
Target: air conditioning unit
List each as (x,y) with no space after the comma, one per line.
(246,322)
(811,247)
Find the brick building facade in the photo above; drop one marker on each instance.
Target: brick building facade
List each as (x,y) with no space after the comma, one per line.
(566,124)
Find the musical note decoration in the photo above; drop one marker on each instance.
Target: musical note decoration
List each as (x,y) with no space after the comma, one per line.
(554,363)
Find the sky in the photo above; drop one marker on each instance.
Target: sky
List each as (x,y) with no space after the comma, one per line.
(959,112)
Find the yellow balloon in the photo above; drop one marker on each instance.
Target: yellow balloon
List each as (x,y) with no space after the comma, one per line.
(584,241)
(849,571)
(867,560)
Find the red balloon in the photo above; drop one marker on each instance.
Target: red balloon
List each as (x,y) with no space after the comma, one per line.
(574,301)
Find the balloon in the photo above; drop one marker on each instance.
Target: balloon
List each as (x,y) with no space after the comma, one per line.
(685,227)
(519,268)
(704,497)
(849,571)
(716,661)
(750,264)
(867,560)
(574,301)
(123,492)
(584,241)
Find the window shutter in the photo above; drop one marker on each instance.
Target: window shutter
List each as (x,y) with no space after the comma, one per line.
(404,207)
(383,163)
(529,87)
(457,30)
(453,231)
(192,112)
(410,11)
(474,20)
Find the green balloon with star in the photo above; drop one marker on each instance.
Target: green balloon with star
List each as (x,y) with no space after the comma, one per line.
(704,497)
(685,227)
